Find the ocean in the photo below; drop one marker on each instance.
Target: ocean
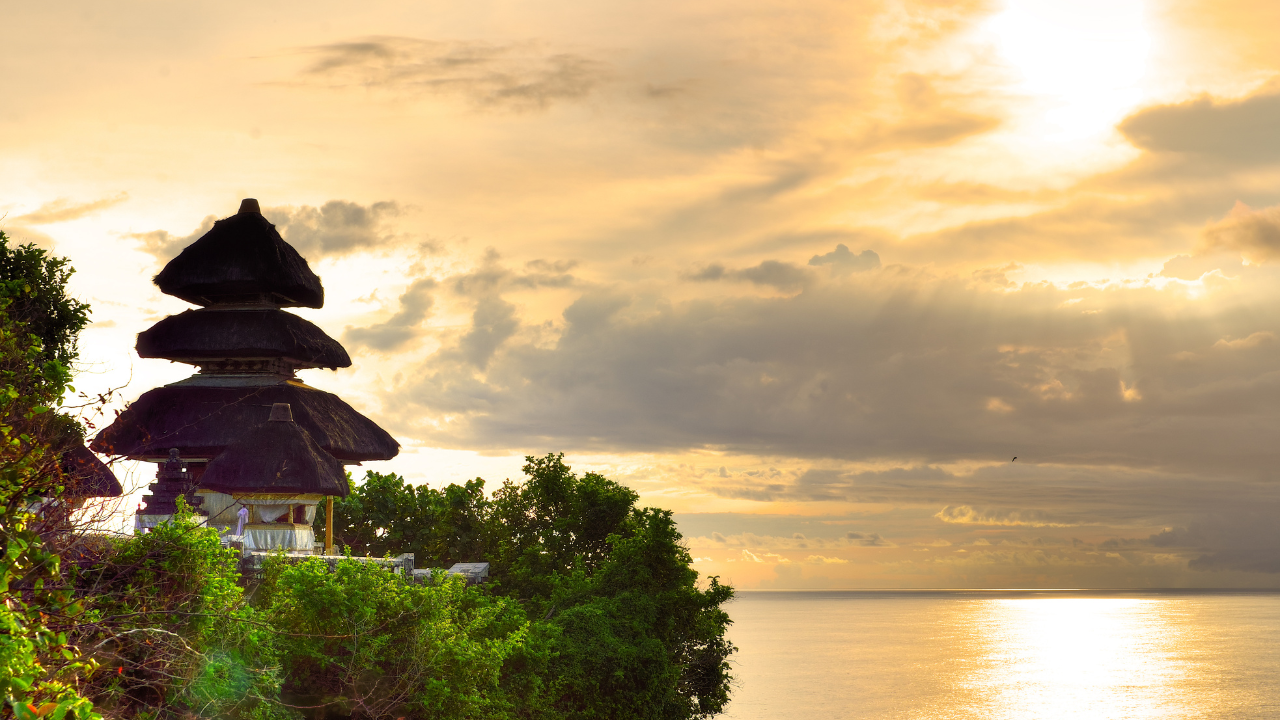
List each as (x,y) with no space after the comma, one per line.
(991,655)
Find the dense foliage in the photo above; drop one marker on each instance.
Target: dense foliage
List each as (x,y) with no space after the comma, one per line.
(167,619)
(41,669)
(629,634)
(359,639)
(385,515)
(33,284)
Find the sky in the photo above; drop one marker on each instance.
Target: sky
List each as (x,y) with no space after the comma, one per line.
(808,274)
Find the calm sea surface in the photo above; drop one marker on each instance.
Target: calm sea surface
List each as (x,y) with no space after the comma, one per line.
(993,655)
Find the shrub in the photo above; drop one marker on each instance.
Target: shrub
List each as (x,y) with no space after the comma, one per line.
(360,639)
(169,624)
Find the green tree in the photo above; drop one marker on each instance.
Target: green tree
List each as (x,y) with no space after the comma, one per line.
(35,285)
(619,626)
(38,344)
(168,620)
(636,637)
(360,639)
(552,525)
(41,669)
(384,514)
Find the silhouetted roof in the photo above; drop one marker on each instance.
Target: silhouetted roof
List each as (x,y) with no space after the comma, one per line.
(242,259)
(86,476)
(260,333)
(203,420)
(277,456)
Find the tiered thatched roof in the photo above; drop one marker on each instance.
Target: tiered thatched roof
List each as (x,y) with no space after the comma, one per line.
(86,476)
(247,349)
(242,260)
(201,420)
(203,335)
(277,456)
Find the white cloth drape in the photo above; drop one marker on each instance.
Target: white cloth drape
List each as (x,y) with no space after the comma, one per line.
(283,537)
(272,513)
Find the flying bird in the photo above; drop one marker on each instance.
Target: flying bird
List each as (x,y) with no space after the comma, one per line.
(1015,457)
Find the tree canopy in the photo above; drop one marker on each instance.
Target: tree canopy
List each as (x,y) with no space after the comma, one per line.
(33,289)
(609,585)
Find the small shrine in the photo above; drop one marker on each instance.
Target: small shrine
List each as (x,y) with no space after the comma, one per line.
(244,441)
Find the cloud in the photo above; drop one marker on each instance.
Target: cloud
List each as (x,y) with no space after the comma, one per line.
(1254,233)
(164,246)
(903,366)
(928,121)
(868,539)
(22,228)
(966,515)
(823,560)
(515,77)
(1194,267)
(773,273)
(1246,538)
(336,228)
(62,210)
(493,323)
(748,556)
(1264,337)
(1242,131)
(940,128)
(405,325)
(842,261)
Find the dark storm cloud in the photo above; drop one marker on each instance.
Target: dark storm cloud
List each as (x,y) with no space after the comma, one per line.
(337,227)
(1242,131)
(400,328)
(517,77)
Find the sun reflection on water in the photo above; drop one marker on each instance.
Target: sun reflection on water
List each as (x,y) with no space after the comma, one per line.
(1006,655)
(1075,658)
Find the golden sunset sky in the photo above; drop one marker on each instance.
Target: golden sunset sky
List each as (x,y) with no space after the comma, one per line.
(807,273)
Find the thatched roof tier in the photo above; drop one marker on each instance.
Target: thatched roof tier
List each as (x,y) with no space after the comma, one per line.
(215,334)
(86,476)
(242,259)
(202,420)
(277,456)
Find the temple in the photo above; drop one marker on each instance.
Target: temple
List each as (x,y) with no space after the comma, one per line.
(244,441)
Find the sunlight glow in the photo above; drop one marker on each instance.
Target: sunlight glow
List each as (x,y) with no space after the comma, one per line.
(1085,59)
(1078,658)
